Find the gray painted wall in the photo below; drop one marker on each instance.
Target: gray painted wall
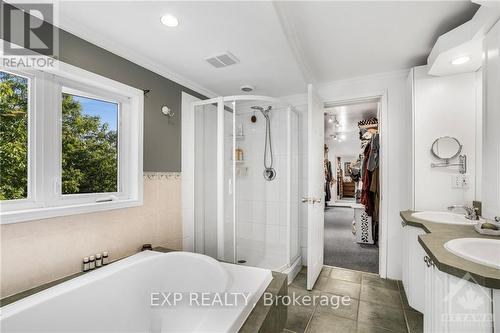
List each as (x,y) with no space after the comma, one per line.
(162,136)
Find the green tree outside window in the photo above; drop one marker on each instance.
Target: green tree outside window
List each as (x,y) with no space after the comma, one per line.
(89,145)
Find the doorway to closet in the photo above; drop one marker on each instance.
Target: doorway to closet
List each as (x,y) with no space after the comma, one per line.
(352,185)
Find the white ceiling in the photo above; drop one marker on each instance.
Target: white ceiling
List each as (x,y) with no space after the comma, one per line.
(250,31)
(343,39)
(281,45)
(348,117)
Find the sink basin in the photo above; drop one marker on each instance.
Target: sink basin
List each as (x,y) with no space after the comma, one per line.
(480,250)
(443,217)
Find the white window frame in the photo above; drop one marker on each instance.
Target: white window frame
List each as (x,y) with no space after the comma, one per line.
(45,199)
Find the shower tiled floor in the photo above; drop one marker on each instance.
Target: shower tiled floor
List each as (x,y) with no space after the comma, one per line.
(378,305)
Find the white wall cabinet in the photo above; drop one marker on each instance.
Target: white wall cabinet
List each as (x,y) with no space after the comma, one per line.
(413,267)
(455,305)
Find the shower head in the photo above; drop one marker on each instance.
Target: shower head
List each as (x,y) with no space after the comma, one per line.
(265,112)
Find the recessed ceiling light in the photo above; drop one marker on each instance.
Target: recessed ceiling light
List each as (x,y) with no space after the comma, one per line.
(460,60)
(169,20)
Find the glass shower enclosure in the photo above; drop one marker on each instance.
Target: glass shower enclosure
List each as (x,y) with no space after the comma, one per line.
(246,181)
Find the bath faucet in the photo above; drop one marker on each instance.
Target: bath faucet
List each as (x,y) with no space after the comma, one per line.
(470,212)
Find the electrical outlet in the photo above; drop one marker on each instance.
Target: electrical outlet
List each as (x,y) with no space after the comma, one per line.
(460,181)
(465,181)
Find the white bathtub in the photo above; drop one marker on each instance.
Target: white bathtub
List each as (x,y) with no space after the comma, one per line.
(117,298)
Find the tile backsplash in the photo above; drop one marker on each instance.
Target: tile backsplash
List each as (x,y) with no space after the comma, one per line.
(40,251)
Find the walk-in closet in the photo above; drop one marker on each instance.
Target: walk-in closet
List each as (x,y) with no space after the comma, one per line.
(352,185)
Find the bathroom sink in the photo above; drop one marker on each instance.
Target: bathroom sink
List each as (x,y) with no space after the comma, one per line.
(443,217)
(480,250)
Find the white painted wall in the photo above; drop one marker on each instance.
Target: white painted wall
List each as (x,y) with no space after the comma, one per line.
(444,106)
(491,147)
(347,158)
(350,146)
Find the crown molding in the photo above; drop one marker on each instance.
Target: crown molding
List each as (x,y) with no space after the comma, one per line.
(292,38)
(403,73)
(98,40)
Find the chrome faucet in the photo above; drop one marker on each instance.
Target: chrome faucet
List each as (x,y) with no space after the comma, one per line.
(470,212)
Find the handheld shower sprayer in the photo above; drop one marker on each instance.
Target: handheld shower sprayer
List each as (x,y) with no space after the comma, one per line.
(269,172)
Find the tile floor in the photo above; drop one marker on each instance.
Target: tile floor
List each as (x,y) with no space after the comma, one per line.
(377,306)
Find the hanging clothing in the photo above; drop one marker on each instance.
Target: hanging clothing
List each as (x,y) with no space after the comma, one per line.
(328,180)
(374,152)
(367,198)
(370,188)
(356,170)
(375,190)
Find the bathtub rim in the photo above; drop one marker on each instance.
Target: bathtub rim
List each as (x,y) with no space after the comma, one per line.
(82,278)
(262,319)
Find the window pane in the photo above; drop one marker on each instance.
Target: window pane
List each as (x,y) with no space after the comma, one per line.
(89,145)
(13,136)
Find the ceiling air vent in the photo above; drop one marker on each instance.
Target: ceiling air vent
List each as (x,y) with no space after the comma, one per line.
(222,60)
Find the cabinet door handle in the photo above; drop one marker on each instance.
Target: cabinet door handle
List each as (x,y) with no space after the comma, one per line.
(428,261)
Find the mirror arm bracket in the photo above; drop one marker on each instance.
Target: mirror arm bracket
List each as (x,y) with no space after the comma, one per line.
(462,164)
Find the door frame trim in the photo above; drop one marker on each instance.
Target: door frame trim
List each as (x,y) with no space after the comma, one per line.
(383,115)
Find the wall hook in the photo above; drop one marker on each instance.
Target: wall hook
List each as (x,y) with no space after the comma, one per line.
(167,111)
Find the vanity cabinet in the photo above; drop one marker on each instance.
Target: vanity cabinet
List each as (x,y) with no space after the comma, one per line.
(450,304)
(455,305)
(413,267)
